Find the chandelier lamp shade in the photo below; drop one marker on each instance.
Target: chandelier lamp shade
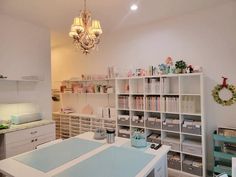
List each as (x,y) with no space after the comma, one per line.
(85,31)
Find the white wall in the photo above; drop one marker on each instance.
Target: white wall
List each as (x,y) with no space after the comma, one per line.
(205,38)
(24,51)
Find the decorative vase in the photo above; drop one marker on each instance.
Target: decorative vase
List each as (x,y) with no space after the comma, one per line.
(179,71)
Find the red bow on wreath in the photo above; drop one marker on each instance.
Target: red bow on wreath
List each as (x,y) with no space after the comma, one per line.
(224,84)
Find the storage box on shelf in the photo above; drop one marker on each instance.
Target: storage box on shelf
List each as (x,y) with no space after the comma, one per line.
(174,160)
(137,119)
(123,118)
(223,154)
(192,165)
(124,131)
(191,125)
(153,136)
(172,107)
(171,122)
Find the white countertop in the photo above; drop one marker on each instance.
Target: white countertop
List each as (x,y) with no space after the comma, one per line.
(14,128)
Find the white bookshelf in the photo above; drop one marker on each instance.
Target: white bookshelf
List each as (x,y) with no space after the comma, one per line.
(68,125)
(184,93)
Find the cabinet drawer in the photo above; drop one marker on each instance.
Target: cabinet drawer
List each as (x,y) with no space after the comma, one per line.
(43,139)
(28,133)
(15,148)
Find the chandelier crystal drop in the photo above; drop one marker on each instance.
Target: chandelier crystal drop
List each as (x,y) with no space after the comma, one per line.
(85,31)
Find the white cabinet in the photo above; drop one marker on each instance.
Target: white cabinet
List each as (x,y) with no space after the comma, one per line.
(26,140)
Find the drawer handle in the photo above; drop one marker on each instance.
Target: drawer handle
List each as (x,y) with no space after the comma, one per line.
(36,139)
(33,132)
(32,141)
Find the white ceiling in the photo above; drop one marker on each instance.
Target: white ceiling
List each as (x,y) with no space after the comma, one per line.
(57,15)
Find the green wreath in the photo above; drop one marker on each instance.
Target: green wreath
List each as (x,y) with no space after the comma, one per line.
(216,91)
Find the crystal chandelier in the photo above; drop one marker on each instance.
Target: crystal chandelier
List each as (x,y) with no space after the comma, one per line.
(85,31)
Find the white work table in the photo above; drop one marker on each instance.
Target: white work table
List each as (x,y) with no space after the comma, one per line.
(87,158)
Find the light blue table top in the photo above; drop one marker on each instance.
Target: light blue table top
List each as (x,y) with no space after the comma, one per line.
(51,157)
(112,162)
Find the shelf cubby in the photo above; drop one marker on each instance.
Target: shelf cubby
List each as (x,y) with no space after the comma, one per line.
(137,102)
(152,86)
(174,160)
(137,118)
(191,125)
(170,85)
(122,86)
(170,104)
(153,103)
(192,145)
(123,118)
(190,84)
(136,86)
(123,102)
(153,136)
(192,165)
(124,131)
(153,120)
(170,122)
(172,139)
(190,104)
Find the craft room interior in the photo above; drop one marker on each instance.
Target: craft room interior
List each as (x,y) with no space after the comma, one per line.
(118,88)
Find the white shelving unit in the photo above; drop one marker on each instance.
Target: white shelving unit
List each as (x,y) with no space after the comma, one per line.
(170,106)
(78,94)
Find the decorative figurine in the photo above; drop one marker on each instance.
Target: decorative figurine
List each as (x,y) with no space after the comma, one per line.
(169,64)
(162,68)
(197,69)
(190,69)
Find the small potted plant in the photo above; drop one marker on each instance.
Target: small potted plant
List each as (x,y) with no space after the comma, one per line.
(180,66)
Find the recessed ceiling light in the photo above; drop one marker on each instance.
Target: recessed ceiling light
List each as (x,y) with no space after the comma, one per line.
(133,7)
